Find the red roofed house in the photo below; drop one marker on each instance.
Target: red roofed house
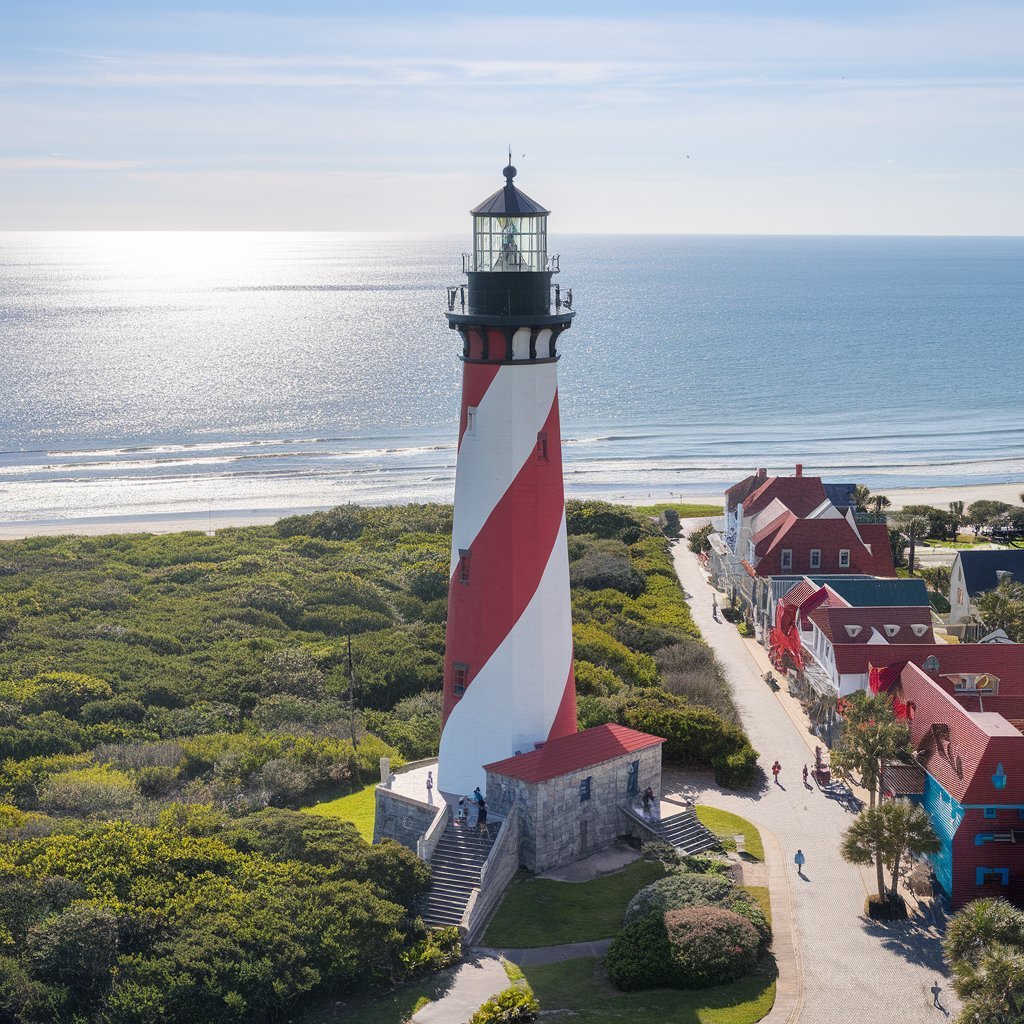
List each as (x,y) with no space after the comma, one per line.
(974,778)
(570,792)
(791,526)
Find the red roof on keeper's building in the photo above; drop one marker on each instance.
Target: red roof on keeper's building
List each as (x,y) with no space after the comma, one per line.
(574,753)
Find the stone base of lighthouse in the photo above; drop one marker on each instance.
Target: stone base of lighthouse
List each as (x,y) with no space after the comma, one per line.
(553,806)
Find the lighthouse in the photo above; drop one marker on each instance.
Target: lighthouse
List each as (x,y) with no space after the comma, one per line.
(508,674)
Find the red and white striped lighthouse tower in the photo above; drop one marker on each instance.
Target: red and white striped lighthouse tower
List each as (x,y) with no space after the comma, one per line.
(508,682)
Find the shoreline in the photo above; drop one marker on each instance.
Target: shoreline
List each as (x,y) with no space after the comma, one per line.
(161,523)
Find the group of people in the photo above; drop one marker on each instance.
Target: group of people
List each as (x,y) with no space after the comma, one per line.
(462,815)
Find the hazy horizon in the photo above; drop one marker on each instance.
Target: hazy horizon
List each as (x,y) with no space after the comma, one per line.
(667,118)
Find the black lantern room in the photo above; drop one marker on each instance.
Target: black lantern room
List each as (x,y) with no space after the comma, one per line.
(509,271)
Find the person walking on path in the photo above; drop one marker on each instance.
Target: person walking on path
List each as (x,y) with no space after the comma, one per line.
(481,815)
(478,796)
(463,816)
(430,787)
(776,768)
(806,773)
(799,860)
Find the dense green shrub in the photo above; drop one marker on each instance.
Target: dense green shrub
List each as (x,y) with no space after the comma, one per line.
(514,1004)
(709,889)
(598,571)
(639,956)
(736,769)
(709,946)
(435,951)
(698,541)
(607,521)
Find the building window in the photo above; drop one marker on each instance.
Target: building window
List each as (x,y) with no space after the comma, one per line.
(991,812)
(633,778)
(471,419)
(982,876)
(844,558)
(787,559)
(459,672)
(815,558)
(931,664)
(585,788)
(465,554)
(959,595)
(542,446)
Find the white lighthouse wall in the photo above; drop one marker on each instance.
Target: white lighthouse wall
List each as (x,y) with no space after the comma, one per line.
(512,701)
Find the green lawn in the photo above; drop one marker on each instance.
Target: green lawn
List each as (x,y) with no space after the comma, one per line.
(685,511)
(540,912)
(359,808)
(760,893)
(579,988)
(726,826)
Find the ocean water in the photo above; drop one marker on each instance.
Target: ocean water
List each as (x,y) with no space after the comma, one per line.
(165,373)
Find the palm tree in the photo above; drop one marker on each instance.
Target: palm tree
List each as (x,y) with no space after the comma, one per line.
(984,945)
(871,736)
(956,509)
(880,501)
(916,527)
(885,835)
(861,496)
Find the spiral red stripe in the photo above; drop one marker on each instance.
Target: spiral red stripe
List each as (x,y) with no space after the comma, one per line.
(503,574)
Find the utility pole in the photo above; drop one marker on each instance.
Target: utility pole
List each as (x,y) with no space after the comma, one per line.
(351,694)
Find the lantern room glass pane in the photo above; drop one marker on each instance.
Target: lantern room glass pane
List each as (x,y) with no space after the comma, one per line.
(510,243)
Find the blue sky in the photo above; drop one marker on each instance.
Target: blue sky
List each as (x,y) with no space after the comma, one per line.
(895,118)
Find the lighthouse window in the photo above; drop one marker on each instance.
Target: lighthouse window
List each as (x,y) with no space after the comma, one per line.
(542,446)
(585,788)
(633,778)
(459,679)
(465,554)
(471,419)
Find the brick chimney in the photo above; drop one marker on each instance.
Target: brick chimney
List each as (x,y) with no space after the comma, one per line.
(799,469)
(762,473)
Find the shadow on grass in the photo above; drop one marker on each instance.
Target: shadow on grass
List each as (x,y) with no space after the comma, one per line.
(393,1007)
(578,991)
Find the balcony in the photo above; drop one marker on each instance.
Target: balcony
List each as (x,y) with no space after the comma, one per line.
(469,267)
(560,300)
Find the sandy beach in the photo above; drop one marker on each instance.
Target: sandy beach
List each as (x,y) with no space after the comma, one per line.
(97,526)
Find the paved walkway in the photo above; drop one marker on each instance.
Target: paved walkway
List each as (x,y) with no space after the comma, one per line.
(850,970)
(555,954)
(480,977)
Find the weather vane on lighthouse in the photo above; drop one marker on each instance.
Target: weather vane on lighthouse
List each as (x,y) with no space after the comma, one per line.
(508,683)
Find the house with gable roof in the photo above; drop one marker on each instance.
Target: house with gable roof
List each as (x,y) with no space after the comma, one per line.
(972,763)
(973,573)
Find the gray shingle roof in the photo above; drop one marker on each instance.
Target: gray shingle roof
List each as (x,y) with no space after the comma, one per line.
(980,568)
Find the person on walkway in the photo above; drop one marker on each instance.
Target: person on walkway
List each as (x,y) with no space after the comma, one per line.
(481,815)
(463,815)
(430,787)
(714,607)
(776,768)
(799,860)
(648,799)
(478,796)
(806,773)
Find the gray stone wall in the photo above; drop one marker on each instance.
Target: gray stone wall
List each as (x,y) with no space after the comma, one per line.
(557,827)
(400,818)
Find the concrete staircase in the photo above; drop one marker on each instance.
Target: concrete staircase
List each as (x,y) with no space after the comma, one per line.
(685,832)
(456,864)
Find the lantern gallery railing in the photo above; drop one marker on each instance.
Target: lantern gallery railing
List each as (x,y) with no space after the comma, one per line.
(561,298)
(468,267)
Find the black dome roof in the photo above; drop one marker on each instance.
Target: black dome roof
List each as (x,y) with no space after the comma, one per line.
(509,201)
